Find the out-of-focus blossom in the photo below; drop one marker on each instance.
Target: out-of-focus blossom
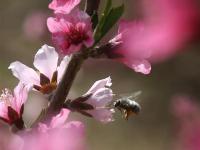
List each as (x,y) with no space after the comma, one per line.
(8,140)
(71,31)
(63,6)
(34,26)
(59,135)
(166,27)
(133,58)
(49,73)
(12,104)
(187,121)
(102,95)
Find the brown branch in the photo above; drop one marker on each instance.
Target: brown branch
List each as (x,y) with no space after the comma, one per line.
(61,92)
(65,84)
(104,50)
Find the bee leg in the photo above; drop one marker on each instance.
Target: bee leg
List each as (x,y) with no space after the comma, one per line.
(127,114)
(122,112)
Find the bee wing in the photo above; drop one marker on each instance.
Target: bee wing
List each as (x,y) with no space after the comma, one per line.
(133,95)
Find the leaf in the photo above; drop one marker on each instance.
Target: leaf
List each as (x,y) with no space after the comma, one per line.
(95,20)
(112,18)
(108,19)
(103,18)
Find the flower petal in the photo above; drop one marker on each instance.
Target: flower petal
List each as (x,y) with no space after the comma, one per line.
(141,66)
(3,110)
(103,115)
(24,74)
(46,60)
(101,97)
(60,119)
(53,25)
(63,65)
(63,6)
(20,95)
(100,84)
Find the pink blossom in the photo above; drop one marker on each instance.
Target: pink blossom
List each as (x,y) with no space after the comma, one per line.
(63,6)
(166,27)
(133,58)
(102,95)
(59,135)
(49,73)
(187,121)
(71,31)
(12,104)
(34,26)
(9,141)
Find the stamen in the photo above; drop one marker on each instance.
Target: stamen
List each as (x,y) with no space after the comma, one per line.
(6,96)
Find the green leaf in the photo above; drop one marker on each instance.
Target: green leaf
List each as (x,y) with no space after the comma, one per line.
(111,19)
(95,19)
(108,19)
(102,19)
(108,7)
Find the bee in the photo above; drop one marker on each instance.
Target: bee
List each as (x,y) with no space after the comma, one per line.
(127,105)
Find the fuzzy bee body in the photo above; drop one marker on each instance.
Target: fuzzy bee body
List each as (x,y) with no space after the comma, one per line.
(127,106)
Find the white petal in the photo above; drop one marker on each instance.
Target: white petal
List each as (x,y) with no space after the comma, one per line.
(46,60)
(63,65)
(24,73)
(101,97)
(100,84)
(20,95)
(103,115)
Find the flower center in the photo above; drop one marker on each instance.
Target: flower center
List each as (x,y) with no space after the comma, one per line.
(6,97)
(76,35)
(46,85)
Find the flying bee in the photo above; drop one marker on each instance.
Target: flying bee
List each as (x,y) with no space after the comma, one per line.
(127,105)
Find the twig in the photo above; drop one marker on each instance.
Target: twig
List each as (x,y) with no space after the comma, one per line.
(105,50)
(65,84)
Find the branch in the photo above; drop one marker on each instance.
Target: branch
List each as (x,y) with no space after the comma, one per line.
(92,6)
(65,84)
(105,50)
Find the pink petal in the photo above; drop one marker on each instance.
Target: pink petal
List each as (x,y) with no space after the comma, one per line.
(63,6)
(24,74)
(90,41)
(53,25)
(42,128)
(60,119)
(3,110)
(20,95)
(100,84)
(46,60)
(141,66)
